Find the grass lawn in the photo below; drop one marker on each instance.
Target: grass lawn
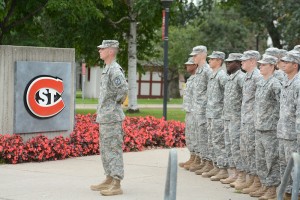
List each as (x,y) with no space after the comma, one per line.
(172,114)
(79,100)
(140,101)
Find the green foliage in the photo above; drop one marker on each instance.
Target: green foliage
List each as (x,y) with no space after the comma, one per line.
(276,18)
(219,29)
(15,14)
(227,31)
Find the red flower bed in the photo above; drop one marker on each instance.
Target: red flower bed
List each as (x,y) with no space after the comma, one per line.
(139,133)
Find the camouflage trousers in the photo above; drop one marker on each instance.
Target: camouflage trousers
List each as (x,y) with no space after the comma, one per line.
(190,137)
(200,126)
(216,142)
(286,148)
(247,148)
(232,142)
(111,140)
(266,154)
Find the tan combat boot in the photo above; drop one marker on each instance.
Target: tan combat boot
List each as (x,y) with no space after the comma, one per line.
(222,174)
(189,163)
(210,173)
(260,192)
(199,167)
(196,164)
(270,193)
(207,167)
(231,178)
(254,187)
(287,196)
(204,168)
(113,189)
(192,158)
(103,185)
(240,180)
(247,184)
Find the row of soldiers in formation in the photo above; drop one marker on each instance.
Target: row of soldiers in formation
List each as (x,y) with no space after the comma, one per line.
(245,119)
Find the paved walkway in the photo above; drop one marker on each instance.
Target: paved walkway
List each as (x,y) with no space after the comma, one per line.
(145,175)
(94,106)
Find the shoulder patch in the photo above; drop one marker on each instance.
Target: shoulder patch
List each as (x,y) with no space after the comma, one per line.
(117,81)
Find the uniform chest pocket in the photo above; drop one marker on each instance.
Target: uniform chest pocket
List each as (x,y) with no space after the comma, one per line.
(249,86)
(104,80)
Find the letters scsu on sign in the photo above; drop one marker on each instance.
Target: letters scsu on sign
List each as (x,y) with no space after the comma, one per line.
(43,96)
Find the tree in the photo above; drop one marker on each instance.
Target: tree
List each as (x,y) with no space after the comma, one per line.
(137,21)
(210,28)
(278,17)
(14,13)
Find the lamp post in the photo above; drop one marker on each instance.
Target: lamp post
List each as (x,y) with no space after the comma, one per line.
(166,4)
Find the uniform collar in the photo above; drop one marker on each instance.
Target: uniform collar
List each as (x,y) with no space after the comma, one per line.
(200,68)
(107,67)
(232,76)
(214,74)
(289,82)
(250,74)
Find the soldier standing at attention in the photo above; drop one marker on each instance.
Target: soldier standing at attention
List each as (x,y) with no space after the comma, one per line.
(202,75)
(288,125)
(232,111)
(278,53)
(214,112)
(267,104)
(187,107)
(243,136)
(110,115)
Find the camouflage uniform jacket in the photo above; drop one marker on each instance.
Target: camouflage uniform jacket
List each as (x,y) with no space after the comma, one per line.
(249,88)
(113,91)
(233,95)
(215,94)
(187,104)
(289,119)
(280,75)
(267,103)
(199,95)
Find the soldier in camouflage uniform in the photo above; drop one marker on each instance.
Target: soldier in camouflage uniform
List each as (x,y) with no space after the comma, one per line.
(214,111)
(267,104)
(278,53)
(202,75)
(288,124)
(110,115)
(244,142)
(187,107)
(232,113)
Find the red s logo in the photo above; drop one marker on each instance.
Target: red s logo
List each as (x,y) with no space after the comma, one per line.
(42,96)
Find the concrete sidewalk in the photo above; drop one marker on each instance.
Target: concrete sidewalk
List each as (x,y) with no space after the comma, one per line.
(145,176)
(94,106)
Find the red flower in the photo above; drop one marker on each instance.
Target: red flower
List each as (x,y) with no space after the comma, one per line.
(139,133)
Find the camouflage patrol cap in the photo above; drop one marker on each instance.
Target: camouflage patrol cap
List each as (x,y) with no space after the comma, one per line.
(272,51)
(217,54)
(234,56)
(198,49)
(268,59)
(190,61)
(250,54)
(292,56)
(281,53)
(108,43)
(297,48)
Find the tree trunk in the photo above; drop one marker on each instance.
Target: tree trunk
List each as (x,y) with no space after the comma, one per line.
(132,65)
(173,88)
(274,34)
